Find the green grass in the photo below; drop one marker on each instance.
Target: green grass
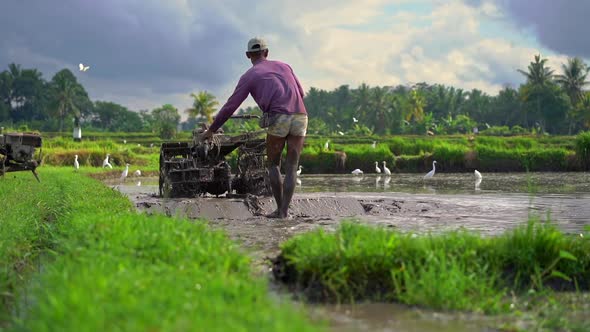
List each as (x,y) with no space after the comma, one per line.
(454,270)
(105,267)
(454,153)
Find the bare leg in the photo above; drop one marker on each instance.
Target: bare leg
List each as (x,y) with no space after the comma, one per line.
(294,147)
(274,149)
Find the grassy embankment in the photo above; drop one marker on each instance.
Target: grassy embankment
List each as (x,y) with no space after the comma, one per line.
(454,270)
(453,153)
(105,267)
(403,154)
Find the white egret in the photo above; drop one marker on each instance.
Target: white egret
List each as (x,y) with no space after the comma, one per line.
(76,163)
(355,120)
(431,173)
(377,169)
(374,145)
(125,172)
(341,133)
(137,173)
(82,67)
(327,145)
(385,169)
(357,172)
(105,162)
(299,170)
(124,141)
(477,174)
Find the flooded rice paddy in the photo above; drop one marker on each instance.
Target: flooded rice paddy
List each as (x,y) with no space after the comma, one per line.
(402,201)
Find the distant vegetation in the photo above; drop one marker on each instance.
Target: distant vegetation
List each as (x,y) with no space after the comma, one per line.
(546,102)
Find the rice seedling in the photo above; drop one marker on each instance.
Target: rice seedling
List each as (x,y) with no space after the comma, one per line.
(107,267)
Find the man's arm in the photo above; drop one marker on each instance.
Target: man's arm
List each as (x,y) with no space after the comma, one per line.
(240,93)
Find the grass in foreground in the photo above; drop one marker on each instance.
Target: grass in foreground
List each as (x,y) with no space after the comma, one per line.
(455,270)
(107,268)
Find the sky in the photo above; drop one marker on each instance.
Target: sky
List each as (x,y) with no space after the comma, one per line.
(145,53)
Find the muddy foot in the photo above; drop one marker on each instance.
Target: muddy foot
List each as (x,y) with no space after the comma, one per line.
(275,214)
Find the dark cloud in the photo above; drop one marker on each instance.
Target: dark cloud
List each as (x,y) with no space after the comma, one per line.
(560,25)
(166,46)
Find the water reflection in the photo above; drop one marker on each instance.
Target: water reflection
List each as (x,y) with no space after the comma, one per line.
(452,183)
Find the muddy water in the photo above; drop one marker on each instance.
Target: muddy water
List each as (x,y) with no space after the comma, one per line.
(403,201)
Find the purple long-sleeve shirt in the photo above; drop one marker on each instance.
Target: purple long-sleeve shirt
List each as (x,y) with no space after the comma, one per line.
(274,87)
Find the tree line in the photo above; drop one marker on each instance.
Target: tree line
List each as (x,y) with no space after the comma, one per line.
(557,103)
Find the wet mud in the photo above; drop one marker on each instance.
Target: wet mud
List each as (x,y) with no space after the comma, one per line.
(403,203)
(244,219)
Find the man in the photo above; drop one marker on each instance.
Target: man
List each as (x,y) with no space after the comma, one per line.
(278,93)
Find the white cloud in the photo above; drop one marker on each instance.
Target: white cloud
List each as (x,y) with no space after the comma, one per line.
(194,45)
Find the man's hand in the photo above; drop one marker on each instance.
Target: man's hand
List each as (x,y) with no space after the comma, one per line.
(206,135)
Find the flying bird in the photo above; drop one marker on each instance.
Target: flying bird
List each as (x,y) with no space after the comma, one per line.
(76,163)
(377,169)
(105,162)
(83,68)
(431,173)
(385,169)
(357,172)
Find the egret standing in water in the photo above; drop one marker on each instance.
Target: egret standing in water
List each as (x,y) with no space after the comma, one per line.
(385,169)
(299,170)
(477,174)
(76,163)
(431,173)
(377,169)
(477,179)
(105,162)
(125,173)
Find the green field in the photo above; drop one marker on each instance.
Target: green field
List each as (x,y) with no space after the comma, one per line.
(456,153)
(450,271)
(76,256)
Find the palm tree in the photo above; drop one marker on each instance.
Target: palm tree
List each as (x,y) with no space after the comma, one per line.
(363,100)
(538,74)
(65,93)
(416,104)
(204,105)
(573,79)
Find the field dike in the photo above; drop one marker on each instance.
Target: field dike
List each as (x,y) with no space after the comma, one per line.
(511,274)
(106,267)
